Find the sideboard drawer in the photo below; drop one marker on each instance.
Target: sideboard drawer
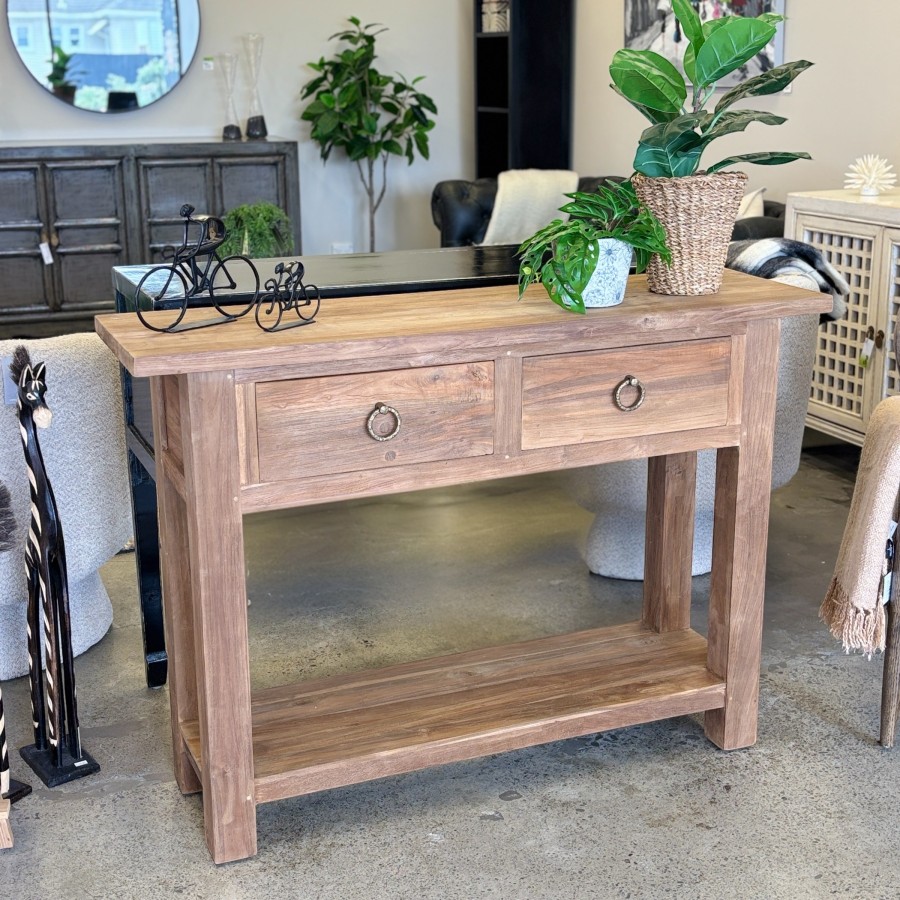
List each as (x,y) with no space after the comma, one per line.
(569,398)
(314,426)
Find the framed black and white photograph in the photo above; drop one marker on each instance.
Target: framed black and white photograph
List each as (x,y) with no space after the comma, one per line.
(651,25)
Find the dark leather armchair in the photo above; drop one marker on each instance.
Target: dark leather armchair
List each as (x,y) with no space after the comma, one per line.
(461,210)
(769,224)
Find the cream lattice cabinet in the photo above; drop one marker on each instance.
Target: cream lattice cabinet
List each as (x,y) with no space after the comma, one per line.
(860,237)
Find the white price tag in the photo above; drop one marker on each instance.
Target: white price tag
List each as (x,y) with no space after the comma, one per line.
(46,253)
(866,352)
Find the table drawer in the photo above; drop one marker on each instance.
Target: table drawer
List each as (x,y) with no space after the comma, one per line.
(316,426)
(570,398)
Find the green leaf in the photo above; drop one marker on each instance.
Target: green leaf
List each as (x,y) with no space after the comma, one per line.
(761,159)
(394,147)
(690,55)
(370,123)
(425,101)
(326,99)
(327,123)
(672,149)
(656,116)
(690,21)
(729,46)
(770,82)
(738,120)
(349,95)
(648,79)
(421,139)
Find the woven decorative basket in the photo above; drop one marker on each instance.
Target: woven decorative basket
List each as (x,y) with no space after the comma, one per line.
(698,213)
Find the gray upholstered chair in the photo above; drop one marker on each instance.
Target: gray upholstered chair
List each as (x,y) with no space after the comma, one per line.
(617,492)
(84,453)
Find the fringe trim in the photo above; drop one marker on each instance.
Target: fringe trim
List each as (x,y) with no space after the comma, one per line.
(856,628)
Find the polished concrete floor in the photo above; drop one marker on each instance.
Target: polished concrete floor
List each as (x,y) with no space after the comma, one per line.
(812,810)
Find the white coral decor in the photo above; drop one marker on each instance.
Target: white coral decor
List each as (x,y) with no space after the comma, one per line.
(871,175)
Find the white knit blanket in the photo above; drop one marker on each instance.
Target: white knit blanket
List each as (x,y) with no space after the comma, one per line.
(527,199)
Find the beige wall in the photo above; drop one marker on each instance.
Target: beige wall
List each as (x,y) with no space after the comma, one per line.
(843,107)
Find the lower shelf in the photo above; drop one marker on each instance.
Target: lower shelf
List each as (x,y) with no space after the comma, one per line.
(352,728)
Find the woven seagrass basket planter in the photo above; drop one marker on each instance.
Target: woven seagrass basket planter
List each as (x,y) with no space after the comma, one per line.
(698,213)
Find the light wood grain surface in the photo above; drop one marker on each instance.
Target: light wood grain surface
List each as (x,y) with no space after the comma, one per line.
(485,387)
(441,322)
(367,725)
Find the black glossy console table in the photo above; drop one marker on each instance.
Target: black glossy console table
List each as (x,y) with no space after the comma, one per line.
(359,274)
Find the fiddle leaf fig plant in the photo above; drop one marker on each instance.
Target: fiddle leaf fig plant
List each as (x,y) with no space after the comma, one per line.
(563,255)
(368,115)
(681,130)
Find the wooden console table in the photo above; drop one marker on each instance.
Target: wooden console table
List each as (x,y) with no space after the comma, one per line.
(483,386)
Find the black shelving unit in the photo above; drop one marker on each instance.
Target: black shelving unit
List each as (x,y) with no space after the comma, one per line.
(523,87)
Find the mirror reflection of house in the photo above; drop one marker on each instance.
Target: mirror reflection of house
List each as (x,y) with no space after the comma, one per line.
(139,48)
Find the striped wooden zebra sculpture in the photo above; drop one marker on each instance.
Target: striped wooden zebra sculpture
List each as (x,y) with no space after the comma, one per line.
(56,755)
(10,789)
(6,835)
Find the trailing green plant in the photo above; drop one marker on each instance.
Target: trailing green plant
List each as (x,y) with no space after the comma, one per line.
(563,255)
(368,115)
(258,230)
(677,137)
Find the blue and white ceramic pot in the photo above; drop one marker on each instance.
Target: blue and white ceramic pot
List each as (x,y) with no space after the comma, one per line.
(607,284)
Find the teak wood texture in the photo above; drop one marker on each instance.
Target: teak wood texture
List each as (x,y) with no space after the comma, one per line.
(483,386)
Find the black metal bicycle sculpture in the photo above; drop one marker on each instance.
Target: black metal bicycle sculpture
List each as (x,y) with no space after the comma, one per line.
(196,268)
(286,292)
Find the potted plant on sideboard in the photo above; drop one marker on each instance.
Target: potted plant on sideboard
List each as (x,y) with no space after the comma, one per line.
(59,76)
(697,207)
(584,261)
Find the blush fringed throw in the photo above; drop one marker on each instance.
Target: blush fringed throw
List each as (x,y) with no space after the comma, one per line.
(852,607)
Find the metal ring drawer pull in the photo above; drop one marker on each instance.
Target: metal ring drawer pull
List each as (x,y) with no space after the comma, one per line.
(382,409)
(629,381)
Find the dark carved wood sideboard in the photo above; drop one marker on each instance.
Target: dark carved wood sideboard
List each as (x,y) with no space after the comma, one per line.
(105,204)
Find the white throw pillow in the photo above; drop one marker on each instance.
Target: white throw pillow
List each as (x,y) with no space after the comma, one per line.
(752,204)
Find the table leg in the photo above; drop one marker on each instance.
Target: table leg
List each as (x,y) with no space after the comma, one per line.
(222,659)
(741,526)
(669,553)
(176,583)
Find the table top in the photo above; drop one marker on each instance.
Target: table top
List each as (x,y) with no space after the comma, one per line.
(422,323)
(360,274)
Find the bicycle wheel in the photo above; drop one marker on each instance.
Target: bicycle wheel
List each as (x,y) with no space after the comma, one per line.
(162,290)
(268,312)
(234,283)
(306,303)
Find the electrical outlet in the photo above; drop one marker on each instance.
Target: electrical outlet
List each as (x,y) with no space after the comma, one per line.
(341,247)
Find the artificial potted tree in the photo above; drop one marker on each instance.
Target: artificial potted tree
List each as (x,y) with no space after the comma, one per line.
(368,115)
(584,261)
(698,207)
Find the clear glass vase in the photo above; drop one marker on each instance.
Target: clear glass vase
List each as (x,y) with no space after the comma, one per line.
(256,121)
(232,130)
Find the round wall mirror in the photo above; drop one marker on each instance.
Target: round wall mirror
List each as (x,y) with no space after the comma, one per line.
(106,55)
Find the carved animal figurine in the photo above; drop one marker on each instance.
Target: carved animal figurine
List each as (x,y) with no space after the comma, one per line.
(4,753)
(53,701)
(6,836)
(10,790)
